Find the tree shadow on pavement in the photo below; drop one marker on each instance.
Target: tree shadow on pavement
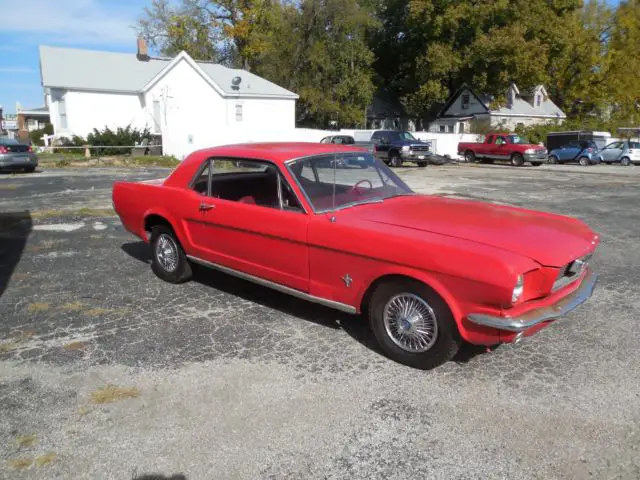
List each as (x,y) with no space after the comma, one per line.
(354,325)
(15,228)
(160,477)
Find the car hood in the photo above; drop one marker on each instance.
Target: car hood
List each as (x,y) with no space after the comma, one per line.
(549,239)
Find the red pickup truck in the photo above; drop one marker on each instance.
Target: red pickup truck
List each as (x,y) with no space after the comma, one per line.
(506,147)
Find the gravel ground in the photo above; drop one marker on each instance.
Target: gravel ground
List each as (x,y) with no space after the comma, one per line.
(107,372)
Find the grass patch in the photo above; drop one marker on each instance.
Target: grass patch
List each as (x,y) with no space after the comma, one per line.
(78,160)
(37,307)
(20,463)
(8,187)
(112,393)
(81,212)
(76,346)
(96,312)
(7,347)
(26,440)
(72,307)
(46,459)
(84,410)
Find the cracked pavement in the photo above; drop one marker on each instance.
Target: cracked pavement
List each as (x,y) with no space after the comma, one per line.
(239,381)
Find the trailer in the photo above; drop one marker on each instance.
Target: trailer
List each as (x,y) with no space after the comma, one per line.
(559,139)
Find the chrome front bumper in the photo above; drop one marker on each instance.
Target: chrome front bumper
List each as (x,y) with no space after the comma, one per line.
(542,314)
(536,157)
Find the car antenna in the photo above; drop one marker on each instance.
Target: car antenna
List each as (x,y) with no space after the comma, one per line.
(333,199)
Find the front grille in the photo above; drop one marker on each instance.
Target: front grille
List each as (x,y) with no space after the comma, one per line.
(571,272)
(420,148)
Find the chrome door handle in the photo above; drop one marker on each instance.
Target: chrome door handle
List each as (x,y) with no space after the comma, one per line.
(206,206)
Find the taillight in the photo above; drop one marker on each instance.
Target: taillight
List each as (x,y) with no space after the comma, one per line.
(30,150)
(3,149)
(589,150)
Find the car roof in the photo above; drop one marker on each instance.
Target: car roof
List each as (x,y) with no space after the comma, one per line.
(276,152)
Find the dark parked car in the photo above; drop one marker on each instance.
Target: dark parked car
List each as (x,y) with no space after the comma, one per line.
(16,156)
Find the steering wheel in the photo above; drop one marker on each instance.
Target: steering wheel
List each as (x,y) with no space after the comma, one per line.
(357,190)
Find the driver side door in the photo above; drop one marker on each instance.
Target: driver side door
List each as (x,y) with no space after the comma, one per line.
(249,220)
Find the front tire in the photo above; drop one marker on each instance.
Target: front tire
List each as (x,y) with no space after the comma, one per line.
(553,160)
(168,260)
(395,160)
(517,160)
(413,324)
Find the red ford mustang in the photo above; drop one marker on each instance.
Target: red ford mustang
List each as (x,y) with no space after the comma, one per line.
(333,225)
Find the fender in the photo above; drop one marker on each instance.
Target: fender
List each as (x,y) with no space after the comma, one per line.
(169,217)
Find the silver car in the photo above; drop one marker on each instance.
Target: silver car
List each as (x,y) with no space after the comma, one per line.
(625,152)
(16,156)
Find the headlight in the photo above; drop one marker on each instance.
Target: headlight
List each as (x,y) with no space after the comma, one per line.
(406,148)
(518,290)
(530,150)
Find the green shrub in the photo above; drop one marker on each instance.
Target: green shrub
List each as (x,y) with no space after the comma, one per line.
(36,135)
(120,137)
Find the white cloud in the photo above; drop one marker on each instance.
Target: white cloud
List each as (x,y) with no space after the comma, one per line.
(99,22)
(16,70)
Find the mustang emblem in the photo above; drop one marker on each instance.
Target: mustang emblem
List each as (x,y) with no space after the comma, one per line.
(347,280)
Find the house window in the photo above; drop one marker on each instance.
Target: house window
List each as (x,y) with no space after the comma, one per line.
(62,111)
(156,116)
(451,128)
(461,127)
(538,100)
(443,128)
(238,113)
(465,101)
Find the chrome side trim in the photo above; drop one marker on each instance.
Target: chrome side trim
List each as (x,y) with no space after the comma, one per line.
(542,314)
(276,286)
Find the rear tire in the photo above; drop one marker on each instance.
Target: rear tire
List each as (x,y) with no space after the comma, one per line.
(469,156)
(625,162)
(30,169)
(168,260)
(517,160)
(584,161)
(439,337)
(536,164)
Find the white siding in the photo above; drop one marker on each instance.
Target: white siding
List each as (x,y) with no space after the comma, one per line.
(192,113)
(262,113)
(473,108)
(89,110)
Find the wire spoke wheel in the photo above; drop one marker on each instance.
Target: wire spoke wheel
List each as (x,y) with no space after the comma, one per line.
(410,323)
(167,253)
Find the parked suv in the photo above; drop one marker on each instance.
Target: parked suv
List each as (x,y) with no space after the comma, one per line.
(584,152)
(397,147)
(626,152)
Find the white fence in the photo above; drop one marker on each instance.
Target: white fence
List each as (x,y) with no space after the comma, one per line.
(441,143)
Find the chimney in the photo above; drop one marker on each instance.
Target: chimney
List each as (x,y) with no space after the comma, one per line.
(143,51)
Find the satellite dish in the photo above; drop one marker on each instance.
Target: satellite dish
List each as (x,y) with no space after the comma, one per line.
(235,83)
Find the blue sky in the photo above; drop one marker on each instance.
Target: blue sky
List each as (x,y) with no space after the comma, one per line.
(97,24)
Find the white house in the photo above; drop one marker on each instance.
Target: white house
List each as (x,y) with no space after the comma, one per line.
(521,108)
(190,104)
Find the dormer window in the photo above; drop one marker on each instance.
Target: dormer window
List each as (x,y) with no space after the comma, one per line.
(465,101)
(538,100)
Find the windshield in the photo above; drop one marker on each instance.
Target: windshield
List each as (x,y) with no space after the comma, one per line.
(358,179)
(403,136)
(519,139)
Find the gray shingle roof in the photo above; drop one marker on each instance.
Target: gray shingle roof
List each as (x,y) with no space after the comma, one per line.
(73,68)
(523,107)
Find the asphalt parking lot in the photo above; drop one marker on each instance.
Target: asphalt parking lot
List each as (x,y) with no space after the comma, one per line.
(107,372)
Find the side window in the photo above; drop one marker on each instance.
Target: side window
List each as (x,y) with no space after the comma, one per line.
(375,137)
(251,182)
(325,140)
(201,183)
